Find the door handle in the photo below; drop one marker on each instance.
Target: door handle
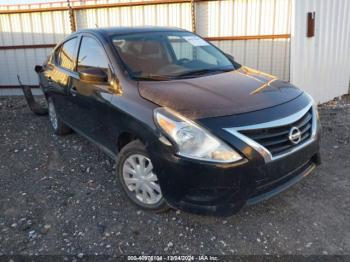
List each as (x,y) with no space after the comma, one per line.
(73,91)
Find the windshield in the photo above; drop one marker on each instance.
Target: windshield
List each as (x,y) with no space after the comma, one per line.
(169,55)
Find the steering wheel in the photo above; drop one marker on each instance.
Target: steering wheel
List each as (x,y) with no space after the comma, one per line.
(183,61)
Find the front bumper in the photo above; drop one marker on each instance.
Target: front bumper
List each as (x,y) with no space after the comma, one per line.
(223,189)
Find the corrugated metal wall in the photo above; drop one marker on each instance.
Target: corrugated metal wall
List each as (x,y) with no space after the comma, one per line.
(321,64)
(178,15)
(213,19)
(28,29)
(257,17)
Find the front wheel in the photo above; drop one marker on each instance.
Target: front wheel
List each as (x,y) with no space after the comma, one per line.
(137,177)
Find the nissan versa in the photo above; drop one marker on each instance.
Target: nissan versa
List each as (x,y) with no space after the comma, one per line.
(189,127)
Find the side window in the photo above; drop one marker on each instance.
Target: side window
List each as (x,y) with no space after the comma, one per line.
(91,54)
(65,56)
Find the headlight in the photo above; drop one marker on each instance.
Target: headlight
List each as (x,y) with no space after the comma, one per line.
(193,141)
(316,119)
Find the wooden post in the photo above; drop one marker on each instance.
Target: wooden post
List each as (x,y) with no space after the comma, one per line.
(193,14)
(71,18)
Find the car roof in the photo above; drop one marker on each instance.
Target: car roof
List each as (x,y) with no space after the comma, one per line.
(130,29)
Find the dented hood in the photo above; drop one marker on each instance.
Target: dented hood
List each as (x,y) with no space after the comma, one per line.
(241,91)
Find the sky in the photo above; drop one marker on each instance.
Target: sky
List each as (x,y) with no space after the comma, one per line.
(17,2)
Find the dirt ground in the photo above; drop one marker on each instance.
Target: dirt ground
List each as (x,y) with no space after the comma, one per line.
(59,195)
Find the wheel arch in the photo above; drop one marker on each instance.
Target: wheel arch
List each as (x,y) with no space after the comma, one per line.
(125,138)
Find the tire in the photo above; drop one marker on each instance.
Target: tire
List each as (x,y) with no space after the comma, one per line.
(135,174)
(57,125)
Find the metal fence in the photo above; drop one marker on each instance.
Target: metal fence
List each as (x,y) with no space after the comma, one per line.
(255,32)
(320,65)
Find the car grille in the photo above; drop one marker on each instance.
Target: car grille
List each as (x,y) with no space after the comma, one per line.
(267,184)
(276,139)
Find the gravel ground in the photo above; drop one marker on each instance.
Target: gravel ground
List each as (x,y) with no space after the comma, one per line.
(59,195)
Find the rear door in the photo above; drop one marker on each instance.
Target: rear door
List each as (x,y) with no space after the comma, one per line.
(60,74)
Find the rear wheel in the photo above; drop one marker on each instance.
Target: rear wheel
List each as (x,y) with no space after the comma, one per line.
(58,126)
(138,179)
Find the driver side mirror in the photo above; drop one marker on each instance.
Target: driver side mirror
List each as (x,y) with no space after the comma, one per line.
(230,57)
(93,75)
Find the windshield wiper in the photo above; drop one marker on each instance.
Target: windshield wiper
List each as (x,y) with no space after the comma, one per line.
(203,72)
(152,77)
(155,77)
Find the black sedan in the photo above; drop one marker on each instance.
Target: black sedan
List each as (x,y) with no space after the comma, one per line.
(188,126)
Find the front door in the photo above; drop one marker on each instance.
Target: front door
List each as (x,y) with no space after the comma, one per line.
(92,100)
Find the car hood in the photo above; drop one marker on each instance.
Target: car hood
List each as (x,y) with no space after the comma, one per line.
(240,91)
